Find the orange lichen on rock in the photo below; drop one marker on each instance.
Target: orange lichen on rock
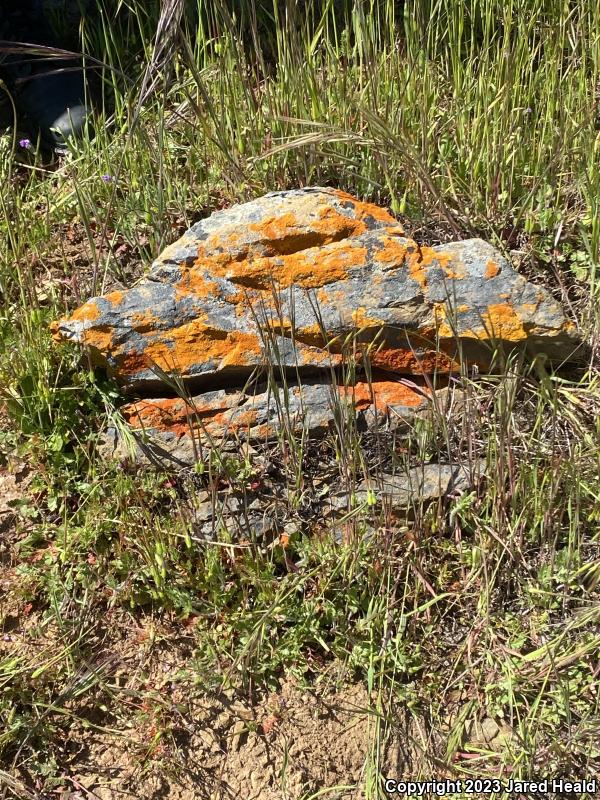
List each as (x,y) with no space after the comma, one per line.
(502,322)
(311,335)
(329,266)
(394,252)
(491,269)
(383,393)
(101,339)
(309,268)
(171,413)
(196,337)
(287,233)
(180,417)
(284,231)
(88,312)
(313,222)
(245,419)
(364,210)
(299,270)
(235,349)
(428,255)
(337,298)
(397,359)
(423,257)
(363,320)
(144,321)
(221,413)
(318,357)
(231,294)
(333,226)
(194,281)
(114,298)
(180,352)
(238,348)
(416,270)
(444,329)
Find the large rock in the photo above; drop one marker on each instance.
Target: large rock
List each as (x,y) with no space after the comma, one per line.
(297,278)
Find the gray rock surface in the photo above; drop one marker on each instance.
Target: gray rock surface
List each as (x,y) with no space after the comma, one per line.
(296,279)
(172,430)
(420,484)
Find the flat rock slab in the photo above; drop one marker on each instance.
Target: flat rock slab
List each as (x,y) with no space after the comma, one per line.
(173,430)
(243,514)
(296,280)
(420,484)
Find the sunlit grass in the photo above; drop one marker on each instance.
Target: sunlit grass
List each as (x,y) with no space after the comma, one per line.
(478,118)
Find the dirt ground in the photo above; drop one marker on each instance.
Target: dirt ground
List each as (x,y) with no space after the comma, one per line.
(290,745)
(145,728)
(122,707)
(133,720)
(145,731)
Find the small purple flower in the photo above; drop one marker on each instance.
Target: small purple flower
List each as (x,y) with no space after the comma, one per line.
(107,178)
(25,144)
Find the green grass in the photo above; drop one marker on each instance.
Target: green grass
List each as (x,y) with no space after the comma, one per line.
(476,118)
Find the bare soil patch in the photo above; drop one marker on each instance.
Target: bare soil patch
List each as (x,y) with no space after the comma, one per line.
(148,731)
(285,745)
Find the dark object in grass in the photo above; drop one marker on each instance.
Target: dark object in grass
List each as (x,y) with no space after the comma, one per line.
(47,82)
(53,103)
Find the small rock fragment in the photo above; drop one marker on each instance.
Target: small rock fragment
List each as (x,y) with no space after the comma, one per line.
(417,485)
